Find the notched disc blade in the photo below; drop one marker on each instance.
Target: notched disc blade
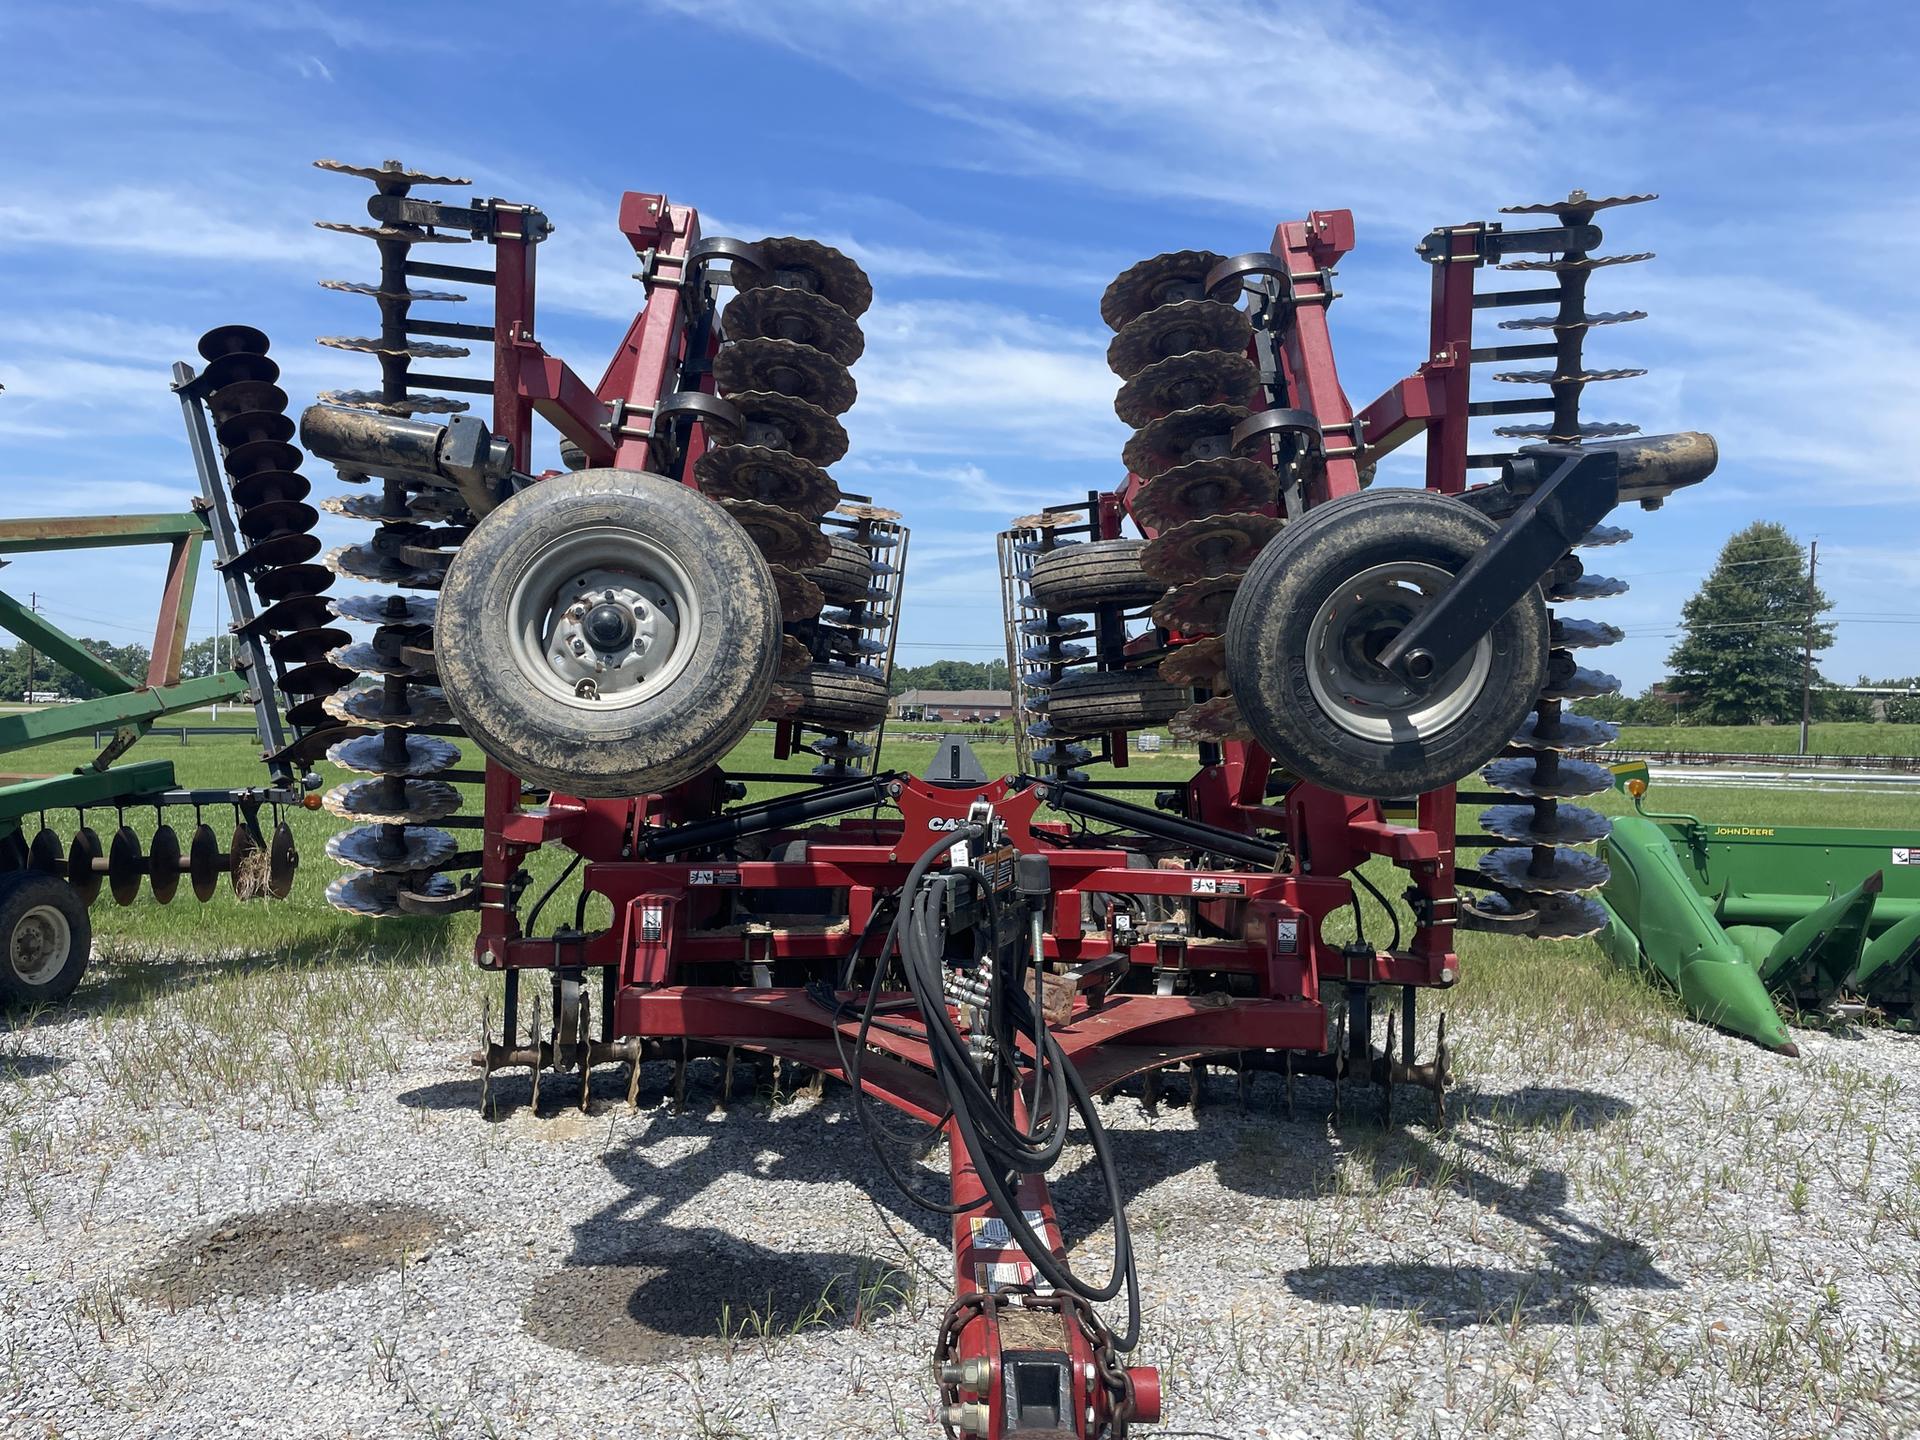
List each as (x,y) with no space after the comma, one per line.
(1180,382)
(1215,719)
(386,609)
(1584,322)
(126,866)
(419,705)
(283,859)
(1571,633)
(1201,664)
(776,312)
(392,847)
(401,405)
(1056,755)
(848,620)
(1198,607)
(380,508)
(1561,824)
(1566,731)
(1054,626)
(405,234)
(787,368)
(163,864)
(378,567)
(1577,682)
(1583,262)
(1587,430)
(784,422)
(1521,775)
(1569,377)
(1201,549)
(1541,917)
(354,287)
(800,598)
(390,801)
(1163,280)
(784,537)
(1042,654)
(1586,587)
(841,747)
(412,349)
(796,263)
(1204,432)
(1576,202)
(371,893)
(1175,330)
(395,752)
(772,477)
(389,175)
(1203,488)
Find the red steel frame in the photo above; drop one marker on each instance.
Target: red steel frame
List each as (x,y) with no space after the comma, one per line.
(663,939)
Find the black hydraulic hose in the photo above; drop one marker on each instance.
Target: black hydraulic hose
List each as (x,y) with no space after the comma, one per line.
(997,1148)
(1392,914)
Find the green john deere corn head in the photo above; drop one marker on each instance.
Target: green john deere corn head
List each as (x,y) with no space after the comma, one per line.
(1744,919)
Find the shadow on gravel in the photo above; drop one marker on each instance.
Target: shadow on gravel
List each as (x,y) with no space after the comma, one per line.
(1539,1107)
(17,1068)
(1444,1297)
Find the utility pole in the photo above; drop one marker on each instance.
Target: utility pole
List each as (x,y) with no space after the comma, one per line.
(1806,646)
(33,604)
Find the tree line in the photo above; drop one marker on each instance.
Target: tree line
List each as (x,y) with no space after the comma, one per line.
(24,670)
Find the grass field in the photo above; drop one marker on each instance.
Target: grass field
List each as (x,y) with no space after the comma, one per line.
(1837,738)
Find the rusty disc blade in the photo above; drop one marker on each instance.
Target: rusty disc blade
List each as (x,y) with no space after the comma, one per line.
(126,865)
(784,537)
(772,477)
(1578,201)
(784,422)
(1580,262)
(47,855)
(163,864)
(391,174)
(800,598)
(1215,719)
(204,862)
(1180,382)
(1198,607)
(795,263)
(355,287)
(81,872)
(794,655)
(1204,432)
(785,367)
(1201,664)
(1162,280)
(1202,488)
(1175,330)
(781,312)
(1201,549)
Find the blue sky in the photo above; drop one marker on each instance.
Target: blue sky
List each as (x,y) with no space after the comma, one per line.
(993,165)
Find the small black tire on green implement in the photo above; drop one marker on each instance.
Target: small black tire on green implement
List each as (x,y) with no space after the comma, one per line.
(712,629)
(1322,600)
(845,577)
(45,939)
(1101,572)
(1095,702)
(837,698)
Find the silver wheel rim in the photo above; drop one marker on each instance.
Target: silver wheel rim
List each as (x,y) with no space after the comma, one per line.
(1361,697)
(550,603)
(38,948)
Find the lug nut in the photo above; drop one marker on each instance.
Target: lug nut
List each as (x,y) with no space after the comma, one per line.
(969,1419)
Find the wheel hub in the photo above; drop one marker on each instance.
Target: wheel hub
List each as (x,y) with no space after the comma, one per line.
(39,944)
(1348,633)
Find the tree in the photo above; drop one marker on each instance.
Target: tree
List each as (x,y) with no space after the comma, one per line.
(950,675)
(1740,660)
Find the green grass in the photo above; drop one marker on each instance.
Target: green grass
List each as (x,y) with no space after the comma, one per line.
(1835,738)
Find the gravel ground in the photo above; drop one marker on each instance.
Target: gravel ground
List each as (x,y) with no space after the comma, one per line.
(1676,1237)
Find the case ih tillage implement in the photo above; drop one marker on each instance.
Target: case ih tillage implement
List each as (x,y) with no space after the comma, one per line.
(987,955)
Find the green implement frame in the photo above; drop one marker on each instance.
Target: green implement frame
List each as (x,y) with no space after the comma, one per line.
(1743,920)
(130,703)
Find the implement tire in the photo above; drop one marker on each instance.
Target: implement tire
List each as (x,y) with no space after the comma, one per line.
(1094,702)
(45,939)
(1102,572)
(1325,597)
(835,698)
(678,606)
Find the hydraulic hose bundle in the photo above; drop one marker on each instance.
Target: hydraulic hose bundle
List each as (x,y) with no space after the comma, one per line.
(1007,1132)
